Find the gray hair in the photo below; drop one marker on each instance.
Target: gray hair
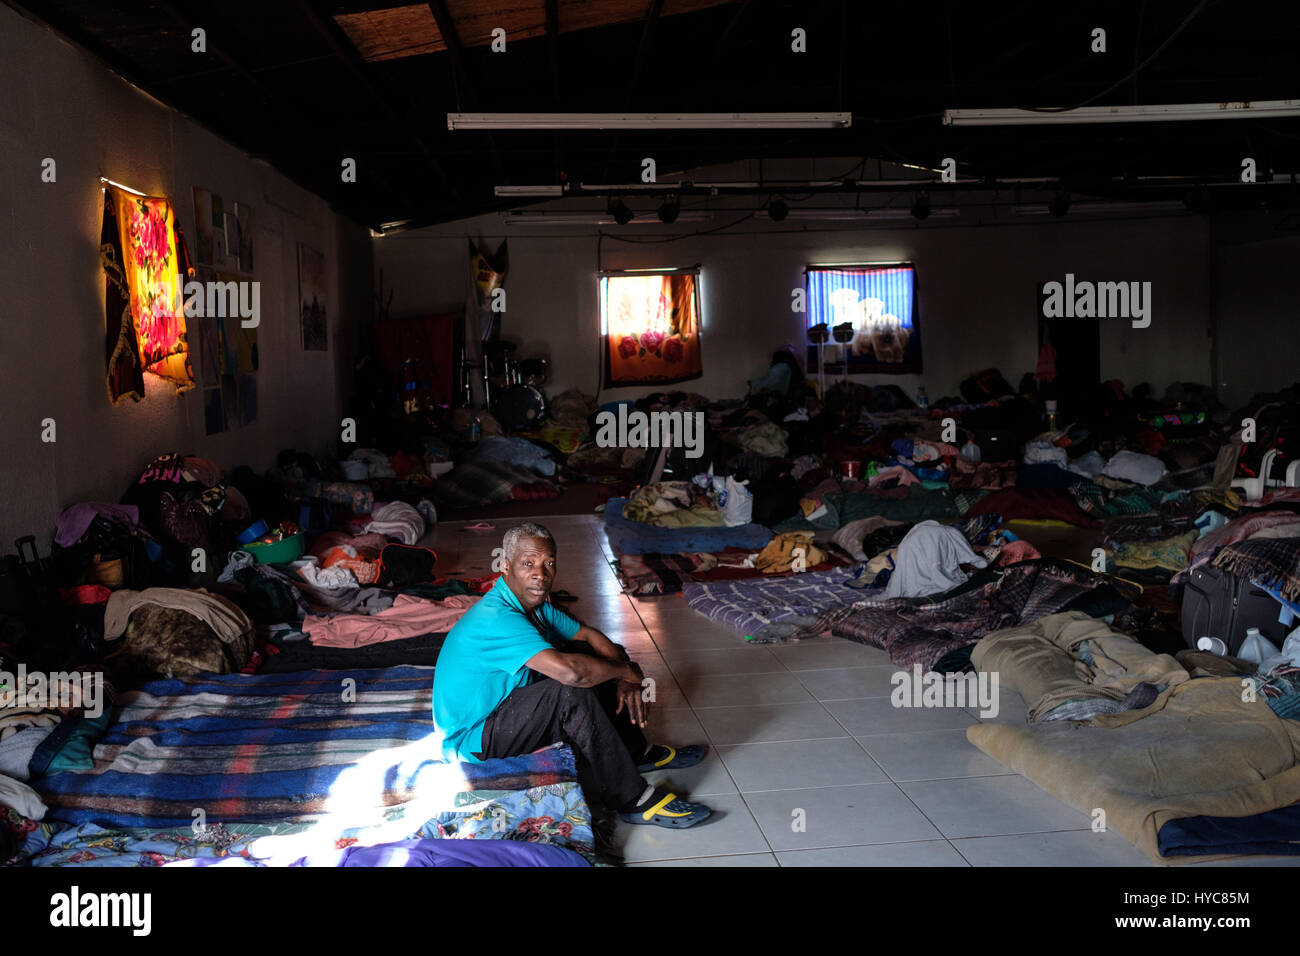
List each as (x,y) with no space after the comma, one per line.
(510,543)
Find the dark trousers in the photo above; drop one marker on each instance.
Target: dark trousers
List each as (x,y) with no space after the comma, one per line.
(607,746)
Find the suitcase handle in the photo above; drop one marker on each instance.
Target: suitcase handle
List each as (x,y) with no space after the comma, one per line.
(30,540)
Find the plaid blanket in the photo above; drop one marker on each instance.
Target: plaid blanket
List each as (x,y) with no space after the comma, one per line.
(471,484)
(775,610)
(276,747)
(661,573)
(1274,562)
(1102,502)
(925,630)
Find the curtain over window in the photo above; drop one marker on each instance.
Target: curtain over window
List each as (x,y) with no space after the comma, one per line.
(650,323)
(878,302)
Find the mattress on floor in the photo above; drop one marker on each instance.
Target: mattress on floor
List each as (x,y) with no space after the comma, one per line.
(319,754)
(1198,752)
(634,537)
(779,609)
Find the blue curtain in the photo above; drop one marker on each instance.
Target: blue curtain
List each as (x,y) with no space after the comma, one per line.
(893,285)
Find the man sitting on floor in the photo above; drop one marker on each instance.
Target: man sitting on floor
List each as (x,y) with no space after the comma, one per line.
(516,673)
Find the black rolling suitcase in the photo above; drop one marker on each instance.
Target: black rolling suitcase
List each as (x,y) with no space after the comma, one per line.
(1219,604)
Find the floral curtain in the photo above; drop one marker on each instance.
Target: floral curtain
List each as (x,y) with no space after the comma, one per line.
(652,329)
(144,263)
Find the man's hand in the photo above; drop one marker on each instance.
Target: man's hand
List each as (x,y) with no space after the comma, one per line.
(631,700)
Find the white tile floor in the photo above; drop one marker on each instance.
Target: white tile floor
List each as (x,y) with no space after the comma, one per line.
(808,764)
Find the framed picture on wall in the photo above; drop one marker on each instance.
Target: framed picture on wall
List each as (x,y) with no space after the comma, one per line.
(312,301)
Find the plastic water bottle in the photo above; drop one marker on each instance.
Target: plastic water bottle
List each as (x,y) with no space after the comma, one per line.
(1256,648)
(475,429)
(922,399)
(971,450)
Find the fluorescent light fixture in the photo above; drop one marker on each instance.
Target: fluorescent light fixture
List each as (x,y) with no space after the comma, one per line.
(1169,112)
(550,191)
(1088,208)
(880,214)
(664,187)
(865,215)
(524,217)
(827,215)
(649,120)
(134,192)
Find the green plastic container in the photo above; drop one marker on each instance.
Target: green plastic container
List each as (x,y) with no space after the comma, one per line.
(281,552)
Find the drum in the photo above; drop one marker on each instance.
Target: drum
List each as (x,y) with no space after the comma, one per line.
(534,371)
(520,407)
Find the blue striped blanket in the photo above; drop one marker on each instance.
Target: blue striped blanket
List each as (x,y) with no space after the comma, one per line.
(348,746)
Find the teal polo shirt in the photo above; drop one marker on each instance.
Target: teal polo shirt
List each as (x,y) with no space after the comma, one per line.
(482,663)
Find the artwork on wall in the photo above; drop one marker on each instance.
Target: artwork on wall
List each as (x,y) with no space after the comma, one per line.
(224,232)
(239,236)
(143,254)
(312,299)
(228,354)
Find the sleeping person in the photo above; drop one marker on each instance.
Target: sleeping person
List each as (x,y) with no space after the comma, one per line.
(516,673)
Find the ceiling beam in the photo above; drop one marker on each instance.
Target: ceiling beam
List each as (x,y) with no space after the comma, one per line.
(447,27)
(351,61)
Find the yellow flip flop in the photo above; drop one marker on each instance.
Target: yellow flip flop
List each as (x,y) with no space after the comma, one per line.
(668,811)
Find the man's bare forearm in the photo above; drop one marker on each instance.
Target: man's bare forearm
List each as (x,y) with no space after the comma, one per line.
(601,644)
(591,671)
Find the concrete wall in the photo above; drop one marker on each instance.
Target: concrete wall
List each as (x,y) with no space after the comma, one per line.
(1257,299)
(976,290)
(60,102)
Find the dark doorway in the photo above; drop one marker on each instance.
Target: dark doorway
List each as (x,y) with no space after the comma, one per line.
(1078,361)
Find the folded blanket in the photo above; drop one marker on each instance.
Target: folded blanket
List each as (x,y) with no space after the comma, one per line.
(396,519)
(1042,662)
(227,621)
(1274,562)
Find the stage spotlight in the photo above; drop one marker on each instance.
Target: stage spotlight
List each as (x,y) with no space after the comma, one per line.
(777,210)
(1059,206)
(669,209)
(618,209)
(921,207)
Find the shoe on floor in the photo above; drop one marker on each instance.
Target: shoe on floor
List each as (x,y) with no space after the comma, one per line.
(663,757)
(667,810)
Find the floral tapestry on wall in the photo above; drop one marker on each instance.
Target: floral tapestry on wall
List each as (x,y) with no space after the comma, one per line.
(651,328)
(144,260)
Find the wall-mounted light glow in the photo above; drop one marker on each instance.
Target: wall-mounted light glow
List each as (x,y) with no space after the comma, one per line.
(108,182)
